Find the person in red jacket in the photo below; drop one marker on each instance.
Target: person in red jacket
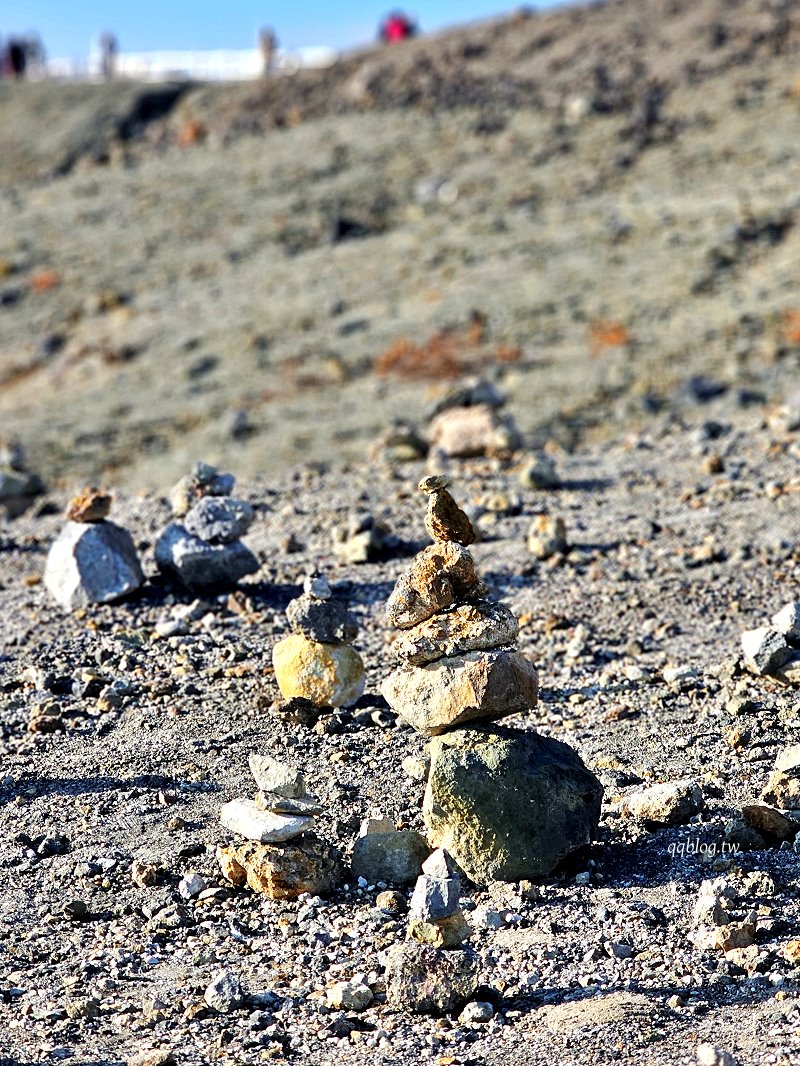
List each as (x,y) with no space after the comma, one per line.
(397,27)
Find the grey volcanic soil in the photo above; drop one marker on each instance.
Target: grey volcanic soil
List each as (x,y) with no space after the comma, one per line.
(266,269)
(640,580)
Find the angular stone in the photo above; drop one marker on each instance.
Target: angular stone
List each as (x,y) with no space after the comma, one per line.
(395,856)
(94,563)
(467,432)
(349,995)
(787,621)
(360,541)
(434,898)
(440,865)
(461,688)
(735,935)
(540,473)
(219,519)
(243,816)
(324,621)
(508,805)
(765,649)
(429,981)
(330,675)
(547,536)
(224,993)
(90,505)
(789,672)
(470,627)
(199,565)
(283,871)
(782,790)
(273,775)
(771,823)
(670,803)
(440,577)
(445,520)
(449,932)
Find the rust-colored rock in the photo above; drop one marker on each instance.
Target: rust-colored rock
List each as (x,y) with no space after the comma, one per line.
(90,505)
(445,520)
(283,871)
(470,627)
(440,577)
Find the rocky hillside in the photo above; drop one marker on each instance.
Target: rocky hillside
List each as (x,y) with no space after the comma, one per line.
(268,274)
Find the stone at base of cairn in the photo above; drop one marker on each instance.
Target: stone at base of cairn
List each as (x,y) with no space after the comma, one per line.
(283,871)
(508,805)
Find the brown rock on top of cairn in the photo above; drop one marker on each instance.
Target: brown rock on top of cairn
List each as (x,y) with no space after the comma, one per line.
(445,521)
(90,505)
(457,647)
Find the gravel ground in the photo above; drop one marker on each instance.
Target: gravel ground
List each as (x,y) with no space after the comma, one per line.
(237,275)
(640,591)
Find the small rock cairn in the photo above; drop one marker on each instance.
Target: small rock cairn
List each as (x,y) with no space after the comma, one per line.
(204,550)
(500,804)
(506,803)
(281,857)
(92,560)
(316,662)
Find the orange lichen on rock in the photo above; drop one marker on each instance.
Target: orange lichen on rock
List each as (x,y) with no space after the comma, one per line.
(447,354)
(791,327)
(603,334)
(44,280)
(191,132)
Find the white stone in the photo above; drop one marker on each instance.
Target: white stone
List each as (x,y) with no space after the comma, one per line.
(765,649)
(242,816)
(787,621)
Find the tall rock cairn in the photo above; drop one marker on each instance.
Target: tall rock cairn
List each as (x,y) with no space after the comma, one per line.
(456,645)
(506,804)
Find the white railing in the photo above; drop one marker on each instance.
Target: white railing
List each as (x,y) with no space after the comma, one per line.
(214,65)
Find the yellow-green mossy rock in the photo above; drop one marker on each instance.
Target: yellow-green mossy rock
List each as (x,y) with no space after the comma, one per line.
(330,675)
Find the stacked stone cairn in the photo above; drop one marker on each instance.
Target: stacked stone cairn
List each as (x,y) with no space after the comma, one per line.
(204,550)
(507,804)
(92,560)
(316,662)
(18,486)
(500,804)
(281,857)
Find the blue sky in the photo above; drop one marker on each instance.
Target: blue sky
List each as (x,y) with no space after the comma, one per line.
(68,29)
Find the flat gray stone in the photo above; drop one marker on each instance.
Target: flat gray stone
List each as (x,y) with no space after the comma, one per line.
(199,565)
(92,563)
(242,816)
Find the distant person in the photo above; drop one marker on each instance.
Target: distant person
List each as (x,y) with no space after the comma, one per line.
(16,58)
(268,46)
(107,48)
(397,27)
